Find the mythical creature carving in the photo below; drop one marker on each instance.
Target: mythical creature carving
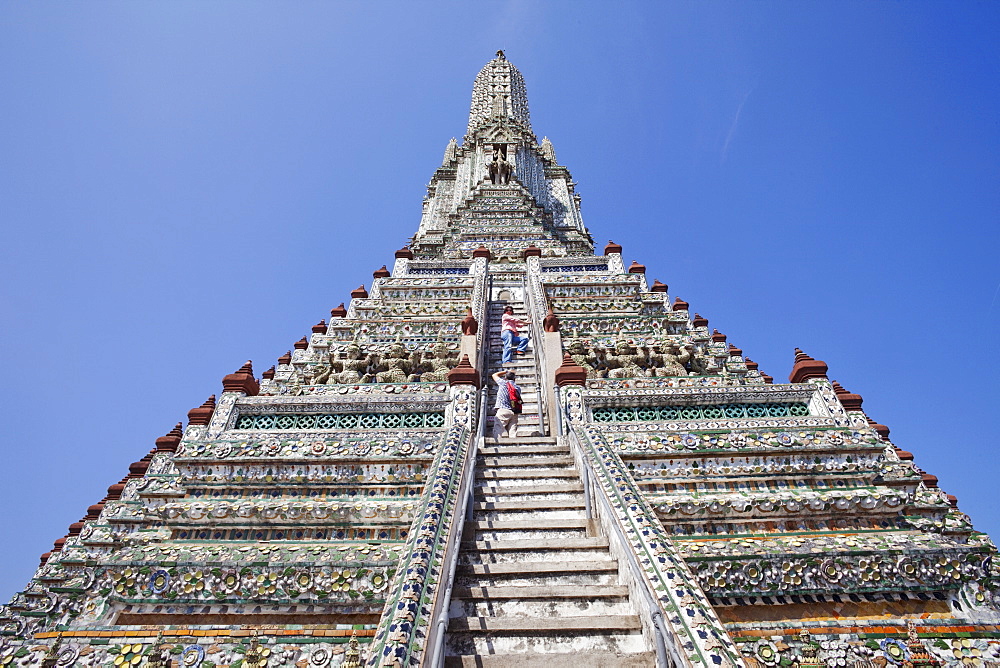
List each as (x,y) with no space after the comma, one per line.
(396,365)
(627,361)
(500,170)
(675,359)
(440,364)
(578,351)
(354,365)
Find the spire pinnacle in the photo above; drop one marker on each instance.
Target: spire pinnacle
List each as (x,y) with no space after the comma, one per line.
(499,91)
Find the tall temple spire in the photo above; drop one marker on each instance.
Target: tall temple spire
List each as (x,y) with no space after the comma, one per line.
(499,91)
(658,494)
(500,164)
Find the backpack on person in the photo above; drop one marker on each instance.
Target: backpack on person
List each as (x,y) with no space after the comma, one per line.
(514,395)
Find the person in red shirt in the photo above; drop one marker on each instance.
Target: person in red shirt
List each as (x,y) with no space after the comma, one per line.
(509,335)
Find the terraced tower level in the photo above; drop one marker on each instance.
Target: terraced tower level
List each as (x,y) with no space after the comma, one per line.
(661,502)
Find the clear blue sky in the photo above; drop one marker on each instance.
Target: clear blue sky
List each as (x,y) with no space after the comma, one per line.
(187,185)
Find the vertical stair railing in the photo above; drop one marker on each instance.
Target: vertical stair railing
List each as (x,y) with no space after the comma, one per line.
(436,641)
(537,338)
(650,611)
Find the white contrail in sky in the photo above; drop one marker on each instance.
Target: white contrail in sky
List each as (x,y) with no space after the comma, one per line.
(736,120)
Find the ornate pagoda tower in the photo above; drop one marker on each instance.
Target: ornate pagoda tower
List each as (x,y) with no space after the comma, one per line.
(663,502)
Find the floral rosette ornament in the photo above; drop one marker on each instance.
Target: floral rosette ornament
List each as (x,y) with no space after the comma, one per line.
(965,652)
(894,650)
(267,583)
(192,656)
(767,652)
(127,655)
(159,581)
(193,583)
(123,580)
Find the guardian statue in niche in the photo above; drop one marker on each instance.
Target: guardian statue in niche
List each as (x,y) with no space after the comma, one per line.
(500,169)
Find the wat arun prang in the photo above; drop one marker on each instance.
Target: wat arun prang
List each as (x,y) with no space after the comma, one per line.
(664,503)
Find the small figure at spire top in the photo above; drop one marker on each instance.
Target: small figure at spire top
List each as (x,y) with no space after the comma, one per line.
(500,54)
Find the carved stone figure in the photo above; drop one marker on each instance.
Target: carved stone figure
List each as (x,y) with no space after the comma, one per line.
(321,374)
(627,361)
(396,364)
(500,170)
(674,360)
(355,365)
(440,364)
(578,351)
(699,364)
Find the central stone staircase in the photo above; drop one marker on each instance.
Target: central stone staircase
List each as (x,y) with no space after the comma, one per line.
(525,367)
(536,583)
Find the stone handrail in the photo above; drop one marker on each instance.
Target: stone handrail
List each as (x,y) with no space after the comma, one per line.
(690,620)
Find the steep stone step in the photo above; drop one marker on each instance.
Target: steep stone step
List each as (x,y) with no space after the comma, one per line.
(537,524)
(525,593)
(538,659)
(529,493)
(528,505)
(520,474)
(595,624)
(524,440)
(513,461)
(540,568)
(519,449)
(537,608)
(566,643)
(537,544)
(489,557)
(514,514)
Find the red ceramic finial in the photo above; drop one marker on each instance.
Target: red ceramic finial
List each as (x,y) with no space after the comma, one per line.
(851,402)
(404,253)
(202,415)
(531,251)
(301,344)
(339,312)
(359,292)
(286,358)
(470,326)
(880,429)
(464,373)
(551,321)
(319,327)
(269,374)
(570,373)
(636,268)
(381,272)
(612,247)
(658,287)
(242,381)
(680,304)
(699,321)
(718,337)
(170,441)
(806,368)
